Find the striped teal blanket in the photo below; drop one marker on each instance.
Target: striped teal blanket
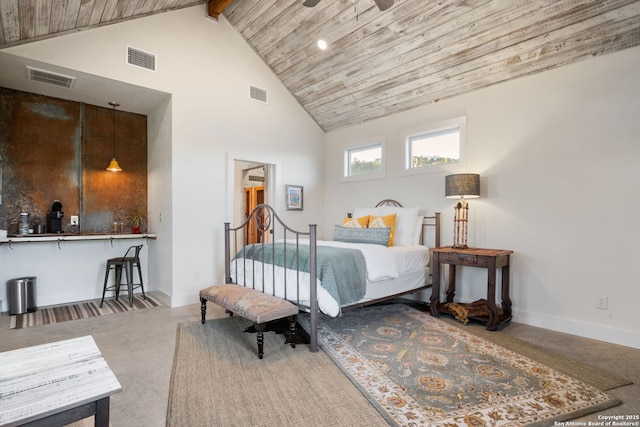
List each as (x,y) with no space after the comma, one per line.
(341,271)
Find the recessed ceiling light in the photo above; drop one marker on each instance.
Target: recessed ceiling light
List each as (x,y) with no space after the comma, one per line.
(322,44)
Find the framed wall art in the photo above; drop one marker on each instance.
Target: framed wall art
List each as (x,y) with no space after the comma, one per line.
(294,197)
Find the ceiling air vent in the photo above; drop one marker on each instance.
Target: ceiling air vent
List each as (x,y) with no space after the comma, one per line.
(258,94)
(140,58)
(49,77)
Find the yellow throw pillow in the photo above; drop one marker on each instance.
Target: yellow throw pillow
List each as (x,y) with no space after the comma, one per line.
(383,222)
(361,222)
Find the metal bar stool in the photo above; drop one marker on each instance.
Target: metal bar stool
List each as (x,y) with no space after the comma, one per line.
(130,259)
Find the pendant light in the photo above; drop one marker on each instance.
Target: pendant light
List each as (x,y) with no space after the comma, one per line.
(113,165)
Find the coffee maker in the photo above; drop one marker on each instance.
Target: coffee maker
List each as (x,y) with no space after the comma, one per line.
(54,217)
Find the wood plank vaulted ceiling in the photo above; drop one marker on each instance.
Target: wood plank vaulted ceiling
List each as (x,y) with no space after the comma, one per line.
(378,63)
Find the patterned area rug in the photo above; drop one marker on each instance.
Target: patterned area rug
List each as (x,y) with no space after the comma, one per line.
(84,310)
(419,371)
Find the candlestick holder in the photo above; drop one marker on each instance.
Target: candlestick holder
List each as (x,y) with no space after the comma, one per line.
(460,225)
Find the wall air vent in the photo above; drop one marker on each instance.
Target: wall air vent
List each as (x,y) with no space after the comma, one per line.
(258,94)
(49,77)
(140,58)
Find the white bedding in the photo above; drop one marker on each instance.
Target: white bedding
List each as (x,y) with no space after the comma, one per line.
(410,257)
(408,280)
(380,260)
(390,270)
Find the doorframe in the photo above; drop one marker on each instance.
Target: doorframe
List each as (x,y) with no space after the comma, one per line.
(234,195)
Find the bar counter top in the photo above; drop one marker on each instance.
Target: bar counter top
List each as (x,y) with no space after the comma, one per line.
(70,237)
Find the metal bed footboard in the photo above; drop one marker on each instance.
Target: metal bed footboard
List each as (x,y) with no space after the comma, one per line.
(263,227)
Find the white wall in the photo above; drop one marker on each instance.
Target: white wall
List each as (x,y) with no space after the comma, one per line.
(159,174)
(207,68)
(559,159)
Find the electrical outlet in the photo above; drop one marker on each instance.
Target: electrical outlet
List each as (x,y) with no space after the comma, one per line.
(602,302)
(74,220)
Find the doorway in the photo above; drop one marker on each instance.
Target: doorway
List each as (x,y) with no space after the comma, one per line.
(253,186)
(253,189)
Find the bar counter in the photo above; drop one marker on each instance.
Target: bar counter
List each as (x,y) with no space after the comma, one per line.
(70,237)
(69,267)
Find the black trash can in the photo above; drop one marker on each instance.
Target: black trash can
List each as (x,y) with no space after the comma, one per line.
(22,295)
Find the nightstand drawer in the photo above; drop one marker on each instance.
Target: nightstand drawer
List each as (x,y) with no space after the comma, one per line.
(455,258)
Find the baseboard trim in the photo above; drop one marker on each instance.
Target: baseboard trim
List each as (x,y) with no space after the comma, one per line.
(594,331)
(184,299)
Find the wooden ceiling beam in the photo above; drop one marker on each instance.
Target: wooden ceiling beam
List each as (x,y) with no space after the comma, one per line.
(216,7)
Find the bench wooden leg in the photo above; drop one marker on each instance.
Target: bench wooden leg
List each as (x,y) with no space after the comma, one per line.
(260,330)
(241,300)
(292,329)
(203,309)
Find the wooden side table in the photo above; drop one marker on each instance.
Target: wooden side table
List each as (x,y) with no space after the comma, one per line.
(491,259)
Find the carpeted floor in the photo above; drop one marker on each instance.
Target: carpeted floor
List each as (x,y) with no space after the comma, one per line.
(216,366)
(218,380)
(420,370)
(602,380)
(82,310)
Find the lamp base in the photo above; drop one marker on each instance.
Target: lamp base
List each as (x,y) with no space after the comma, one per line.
(460,221)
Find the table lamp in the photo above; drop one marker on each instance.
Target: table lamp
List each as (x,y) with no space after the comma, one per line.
(461,185)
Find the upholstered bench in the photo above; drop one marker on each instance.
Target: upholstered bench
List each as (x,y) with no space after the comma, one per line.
(252,305)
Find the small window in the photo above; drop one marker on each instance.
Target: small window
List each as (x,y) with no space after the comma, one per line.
(364,161)
(440,145)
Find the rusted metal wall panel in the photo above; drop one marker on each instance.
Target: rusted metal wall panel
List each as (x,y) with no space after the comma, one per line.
(111,196)
(54,149)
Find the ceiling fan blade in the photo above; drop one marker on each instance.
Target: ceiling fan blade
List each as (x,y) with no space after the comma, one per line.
(311,3)
(383,4)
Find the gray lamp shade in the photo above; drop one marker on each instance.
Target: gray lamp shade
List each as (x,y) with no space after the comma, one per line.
(462,185)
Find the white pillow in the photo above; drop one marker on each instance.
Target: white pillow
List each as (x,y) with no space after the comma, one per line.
(416,236)
(405,229)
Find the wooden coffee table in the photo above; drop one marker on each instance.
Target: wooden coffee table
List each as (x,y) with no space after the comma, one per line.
(55,384)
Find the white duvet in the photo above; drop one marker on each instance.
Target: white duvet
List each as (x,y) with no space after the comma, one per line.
(381,264)
(380,261)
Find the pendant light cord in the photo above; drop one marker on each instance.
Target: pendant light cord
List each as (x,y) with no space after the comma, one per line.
(114,105)
(113,166)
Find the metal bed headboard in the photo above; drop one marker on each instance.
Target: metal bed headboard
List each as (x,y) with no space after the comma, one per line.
(428,221)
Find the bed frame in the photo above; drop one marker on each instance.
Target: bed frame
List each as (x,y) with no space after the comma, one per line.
(263,226)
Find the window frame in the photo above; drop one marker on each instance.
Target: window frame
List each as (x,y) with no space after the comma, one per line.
(348,149)
(459,122)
